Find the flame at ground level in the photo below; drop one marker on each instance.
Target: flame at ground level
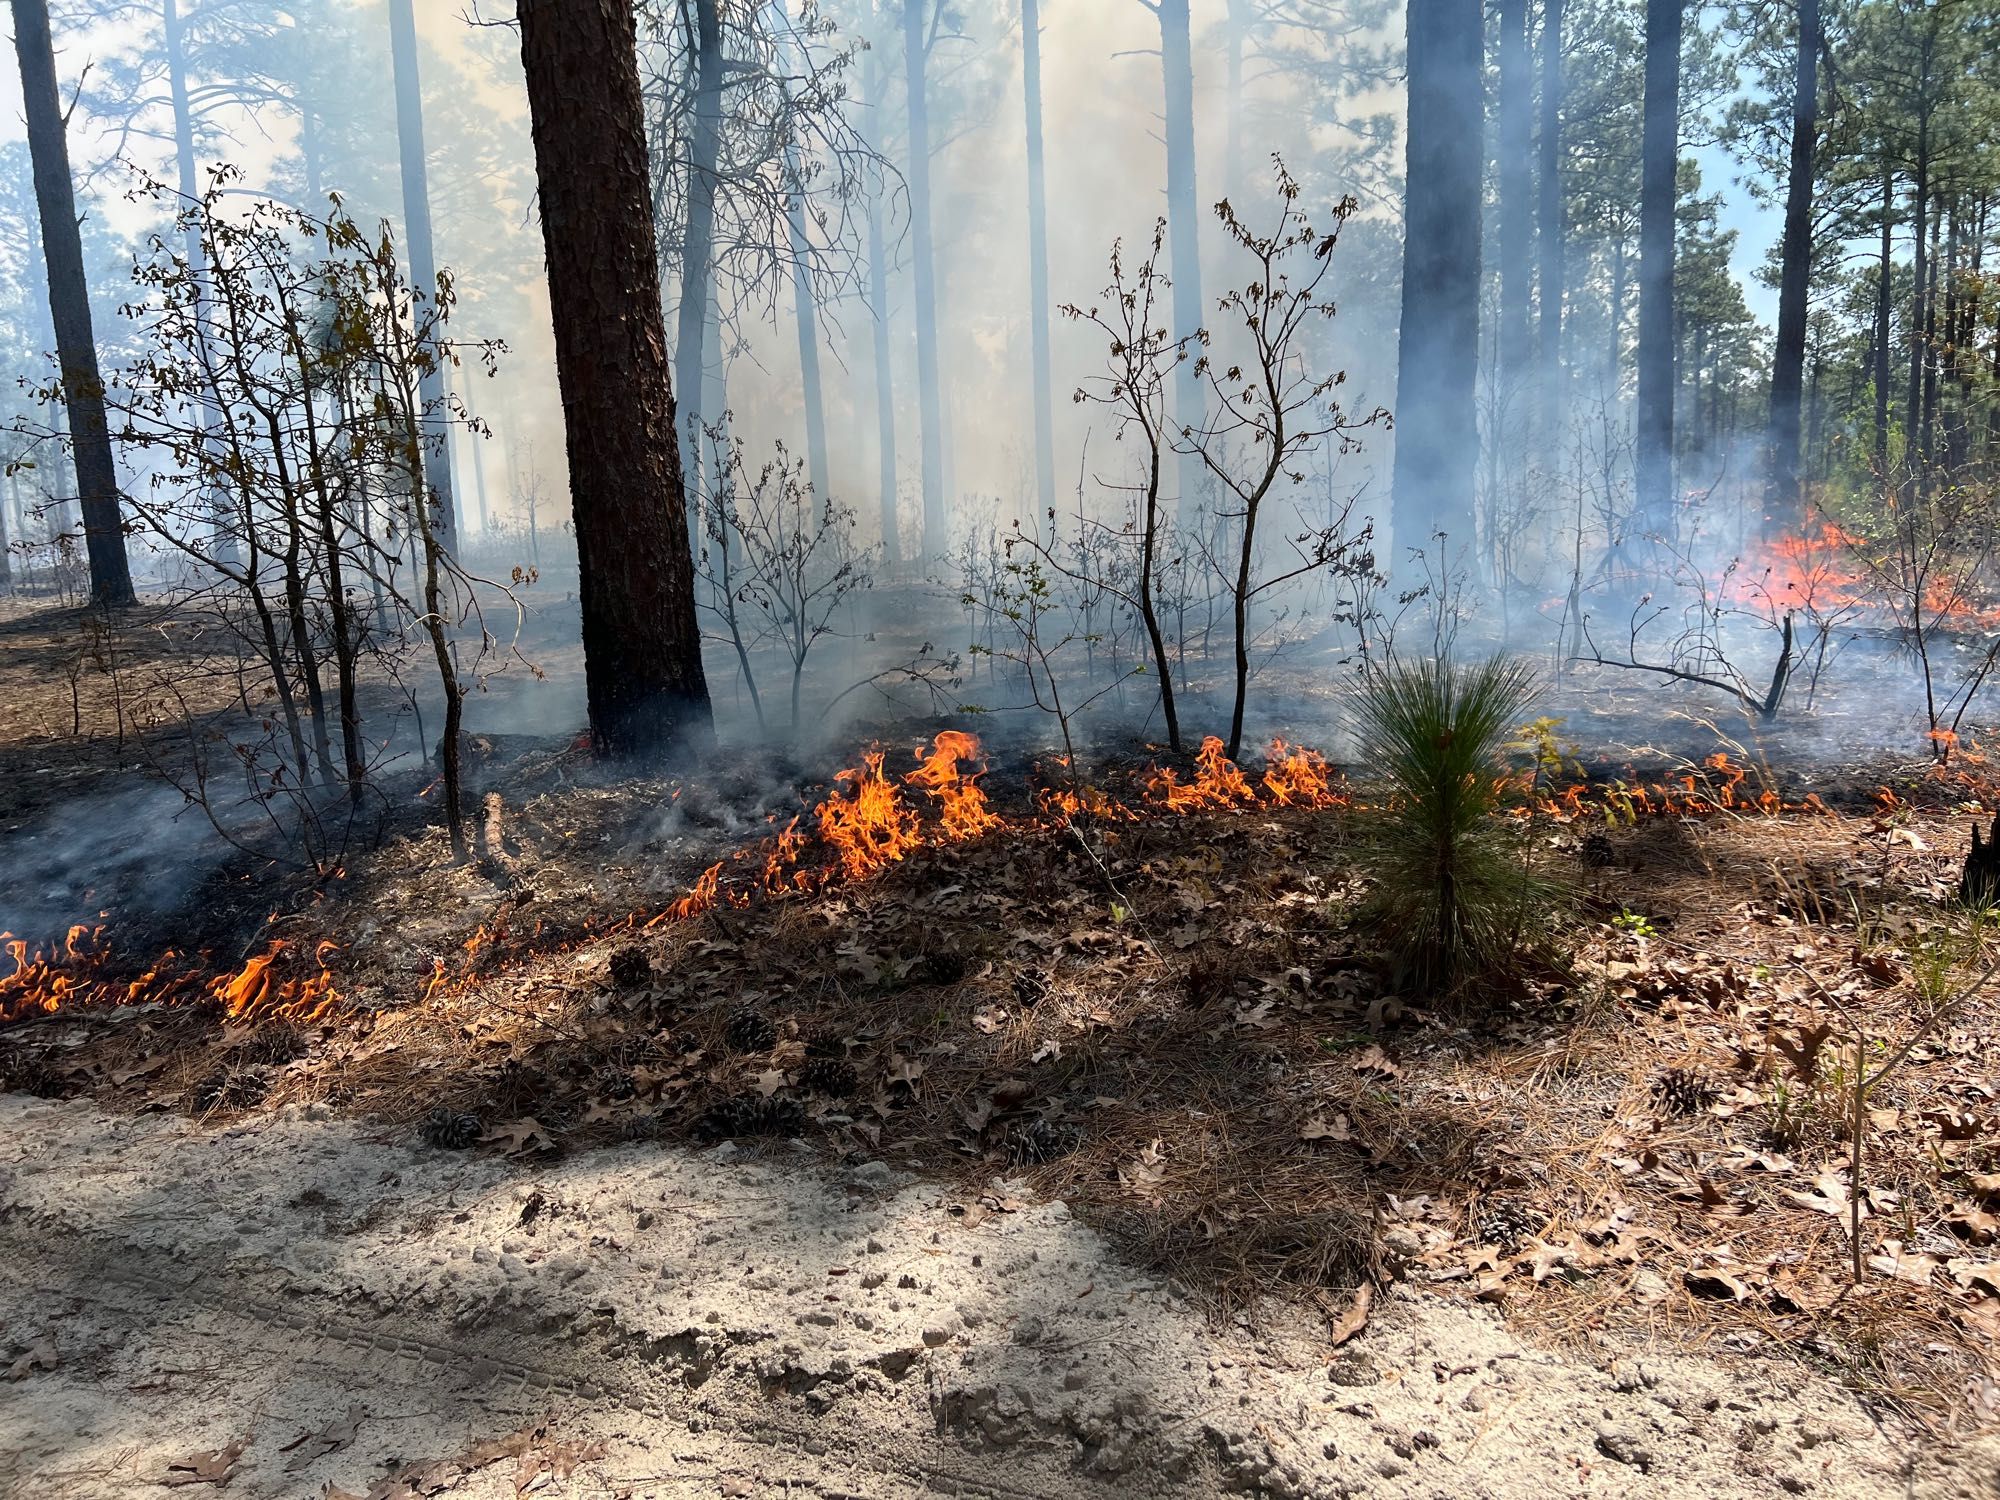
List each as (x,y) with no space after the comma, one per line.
(80,974)
(872,819)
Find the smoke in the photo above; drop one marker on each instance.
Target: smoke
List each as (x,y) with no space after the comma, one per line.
(134,853)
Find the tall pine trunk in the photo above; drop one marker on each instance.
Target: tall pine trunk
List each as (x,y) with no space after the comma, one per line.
(69,309)
(1517,194)
(1660,160)
(1920,191)
(878,308)
(174,43)
(930,399)
(1884,294)
(1438,352)
(1038,260)
(642,646)
(1784,504)
(805,306)
(423,260)
(1550,227)
(1183,230)
(697,268)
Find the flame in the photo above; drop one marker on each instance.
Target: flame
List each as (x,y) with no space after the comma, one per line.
(1824,570)
(869,827)
(1299,778)
(79,974)
(699,899)
(1717,786)
(1218,783)
(962,810)
(253,991)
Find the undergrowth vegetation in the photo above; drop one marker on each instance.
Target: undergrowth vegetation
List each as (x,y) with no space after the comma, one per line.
(1456,895)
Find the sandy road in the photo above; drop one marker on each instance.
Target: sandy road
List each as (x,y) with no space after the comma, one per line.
(321,1304)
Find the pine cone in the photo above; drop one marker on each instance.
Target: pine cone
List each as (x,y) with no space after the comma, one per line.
(25,1072)
(642,1128)
(616,1084)
(274,1042)
(1684,1091)
(833,1077)
(942,968)
(1040,1141)
(1030,988)
(749,1115)
(1598,852)
(630,968)
(449,1130)
(228,1088)
(1506,1222)
(749,1031)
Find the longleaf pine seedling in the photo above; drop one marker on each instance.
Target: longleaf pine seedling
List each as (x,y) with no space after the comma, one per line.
(1454,896)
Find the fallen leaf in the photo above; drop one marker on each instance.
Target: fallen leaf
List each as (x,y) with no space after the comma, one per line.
(212,1467)
(313,1446)
(41,1355)
(1912,1266)
(520,1136)
(1319,1128)
(1355,1318)
(1828,1197)
(1372,1059)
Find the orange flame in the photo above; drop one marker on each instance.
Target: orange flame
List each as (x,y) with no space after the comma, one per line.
(869,827)
(1218,783)
(962,809)
(76,976)
(1299,778)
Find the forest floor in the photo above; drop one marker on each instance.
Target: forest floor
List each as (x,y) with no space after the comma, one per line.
(1059,1153)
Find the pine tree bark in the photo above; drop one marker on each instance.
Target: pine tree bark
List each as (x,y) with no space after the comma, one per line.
(1183,229)
(697,268)
(1660,162)
(805,312)
(1884,293)
(422,249)
(1550,227)
(642,647)
(1517,192)
(888,499)
(69,309)
(1438,351)
(174,44)
(930,396)
(1784,505)
(1038,259)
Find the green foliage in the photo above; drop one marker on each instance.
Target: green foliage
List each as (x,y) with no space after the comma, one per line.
(1455,896)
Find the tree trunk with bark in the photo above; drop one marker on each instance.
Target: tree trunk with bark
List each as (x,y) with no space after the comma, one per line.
(1517,192)
(1183,230)
(1550,227)
(423,260)
(1784,504)
(930,399)
(697,268)
(1438,352)
(878,307)
(1038,260)
(69,309)
(1884,293)
(1659,164)
(642,646)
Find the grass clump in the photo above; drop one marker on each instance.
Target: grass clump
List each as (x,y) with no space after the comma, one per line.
(1455,896)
